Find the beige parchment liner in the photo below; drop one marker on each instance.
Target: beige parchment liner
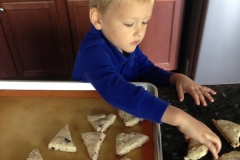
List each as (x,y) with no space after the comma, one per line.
(29,122)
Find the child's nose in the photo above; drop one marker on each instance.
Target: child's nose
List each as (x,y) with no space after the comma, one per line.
(139,31)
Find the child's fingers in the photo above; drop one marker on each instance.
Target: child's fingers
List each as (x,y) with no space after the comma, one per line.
(201,98)
(217,142)
(208,96)
(209,90)
(203,94)
(212,148)
(187,138)
(180,92)
(195,95)
(214,144)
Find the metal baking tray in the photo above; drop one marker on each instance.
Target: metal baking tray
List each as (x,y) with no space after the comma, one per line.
(61,89)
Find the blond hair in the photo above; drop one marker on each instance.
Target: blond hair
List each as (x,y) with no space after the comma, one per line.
(102,5)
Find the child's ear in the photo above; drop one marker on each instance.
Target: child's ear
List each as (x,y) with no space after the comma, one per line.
(95,18)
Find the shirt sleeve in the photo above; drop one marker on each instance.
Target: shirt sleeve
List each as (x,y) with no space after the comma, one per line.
(148,72)
(101,73)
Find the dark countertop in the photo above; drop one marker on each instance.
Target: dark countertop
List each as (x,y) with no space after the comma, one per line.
(226,106)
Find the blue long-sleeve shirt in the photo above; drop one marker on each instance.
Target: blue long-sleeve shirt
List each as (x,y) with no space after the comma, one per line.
(110,71)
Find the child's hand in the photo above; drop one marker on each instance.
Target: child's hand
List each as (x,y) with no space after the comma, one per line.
(186,85)
(192,128)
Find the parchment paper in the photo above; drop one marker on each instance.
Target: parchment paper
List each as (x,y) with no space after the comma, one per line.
(28,123)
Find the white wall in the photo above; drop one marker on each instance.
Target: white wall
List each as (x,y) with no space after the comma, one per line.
(219,56)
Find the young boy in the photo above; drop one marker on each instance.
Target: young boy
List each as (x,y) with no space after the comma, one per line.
(109,58)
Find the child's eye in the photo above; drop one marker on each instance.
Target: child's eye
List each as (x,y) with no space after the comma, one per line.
(144,23)
(128,24)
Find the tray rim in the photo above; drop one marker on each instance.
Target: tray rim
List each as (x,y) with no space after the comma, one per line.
(16,85)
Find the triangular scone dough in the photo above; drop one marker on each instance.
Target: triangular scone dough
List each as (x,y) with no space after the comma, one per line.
(100,123)
(127,142)
(93,142)
(233,155)
(35,155)
(128,119)
(196,150)
(63,141)
(229,130)
(125,158)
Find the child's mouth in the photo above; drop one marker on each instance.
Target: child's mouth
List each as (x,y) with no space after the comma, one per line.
(135,42)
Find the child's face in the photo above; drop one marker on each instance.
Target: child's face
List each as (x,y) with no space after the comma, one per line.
(124,25)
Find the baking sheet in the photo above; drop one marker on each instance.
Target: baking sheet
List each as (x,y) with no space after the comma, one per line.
(30,119)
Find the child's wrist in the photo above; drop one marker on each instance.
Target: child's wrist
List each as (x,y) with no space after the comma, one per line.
(173,78)
(173,116)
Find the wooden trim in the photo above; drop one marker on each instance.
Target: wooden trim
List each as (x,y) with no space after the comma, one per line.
(199,38)
(64,27)
(48,93)
(191,35)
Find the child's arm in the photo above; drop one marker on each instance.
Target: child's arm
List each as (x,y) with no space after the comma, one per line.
(192,128)
(186,85)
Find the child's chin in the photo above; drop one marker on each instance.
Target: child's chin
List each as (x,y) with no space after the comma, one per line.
(130,50)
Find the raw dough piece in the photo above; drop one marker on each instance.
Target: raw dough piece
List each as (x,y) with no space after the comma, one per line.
(229,130)
(35,155)
(127,142)
(93,142)
(233,155)
(63,141)
(100,123)
(125,158)
(196,150)
(128,119)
